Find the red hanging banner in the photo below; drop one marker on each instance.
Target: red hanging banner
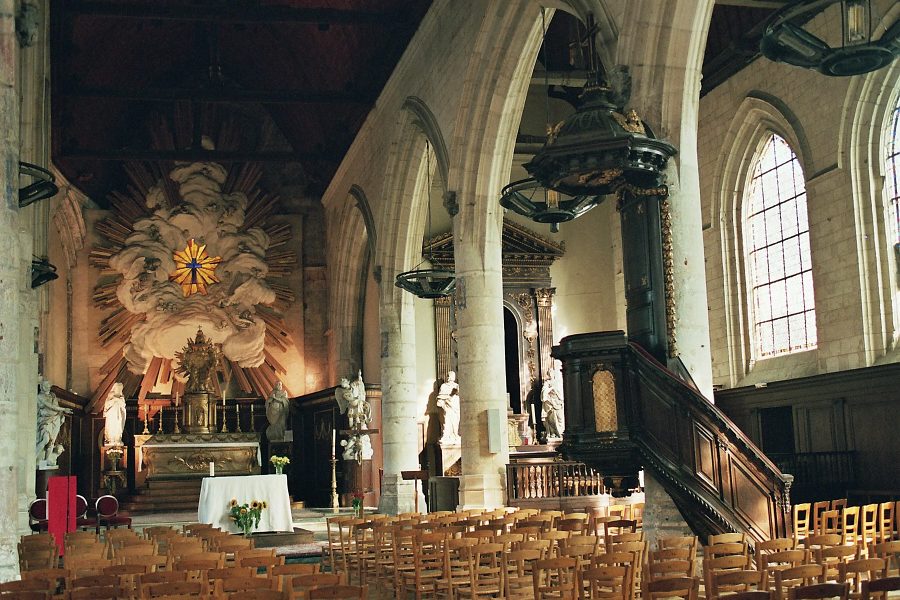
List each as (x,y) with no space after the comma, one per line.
(61,508)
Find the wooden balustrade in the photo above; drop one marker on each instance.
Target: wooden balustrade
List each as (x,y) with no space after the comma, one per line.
(545,480)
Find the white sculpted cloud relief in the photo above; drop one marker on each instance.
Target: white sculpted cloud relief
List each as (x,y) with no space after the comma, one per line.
(227,313)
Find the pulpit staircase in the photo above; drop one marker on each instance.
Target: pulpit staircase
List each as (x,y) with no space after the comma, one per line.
(626,411)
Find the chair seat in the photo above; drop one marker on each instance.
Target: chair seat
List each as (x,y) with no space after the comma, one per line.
(115,521)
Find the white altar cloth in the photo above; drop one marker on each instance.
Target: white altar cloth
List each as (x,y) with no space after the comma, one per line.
(217,492)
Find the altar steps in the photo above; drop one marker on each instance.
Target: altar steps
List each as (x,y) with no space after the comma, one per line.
(163,495)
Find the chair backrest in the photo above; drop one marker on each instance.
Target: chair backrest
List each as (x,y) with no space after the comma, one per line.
(555,578)
(819,591)
(348,592)
(106,506)
(802,514)
(879,586)
(81,506)
(829,522)
(607,582)
(673,587)
(734,581)
(886,517)
(37,510)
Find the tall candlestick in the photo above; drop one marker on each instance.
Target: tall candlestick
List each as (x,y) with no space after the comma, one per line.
(333,441)
(533,418)
(212,469)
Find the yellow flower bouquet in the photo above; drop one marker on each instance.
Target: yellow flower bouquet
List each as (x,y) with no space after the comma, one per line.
(247,515)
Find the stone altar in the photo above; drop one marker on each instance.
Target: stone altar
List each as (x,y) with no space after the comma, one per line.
(187,455)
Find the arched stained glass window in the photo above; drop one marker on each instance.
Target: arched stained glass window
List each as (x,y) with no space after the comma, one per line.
(776,230)
(892,168)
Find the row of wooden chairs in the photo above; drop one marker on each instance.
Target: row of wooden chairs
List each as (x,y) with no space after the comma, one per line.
(861,525)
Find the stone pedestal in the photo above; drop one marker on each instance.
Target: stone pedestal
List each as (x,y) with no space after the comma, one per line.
(197,417)
(42,476)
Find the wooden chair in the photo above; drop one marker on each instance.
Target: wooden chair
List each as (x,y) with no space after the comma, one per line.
(185,588)
(687,588)
(727,538)
(12,588)
(342,592)
(851,522)
(802,520)
(428,563)
(144,581)
(607,583)
(55,575)
(517,578)
(886,516)
(734,581)
(753,595)
(616,527)
(229,585)
(301,584)
(37,515)
(153,563)
(332,554)
(556,579)
(128,576)
(35,556)
(855,572)
(257,595)
(669,563)
(831,558)
(260,559)
(879,586)
(820,591)
(829,522)
(721,564)
(83,567)
(193,528)
(283,573)
(485,572)
(825,540)
(804,575)
(888,551)
(111,592)
(815,516)
(768,564)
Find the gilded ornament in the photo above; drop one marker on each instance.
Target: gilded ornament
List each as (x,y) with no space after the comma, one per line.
(669,276)
(194,269)
(631,123)
(197,361)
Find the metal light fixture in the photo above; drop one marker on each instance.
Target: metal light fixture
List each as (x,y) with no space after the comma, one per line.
(427,282)
(42,272)
(785,39)
(596,151)
(44,184)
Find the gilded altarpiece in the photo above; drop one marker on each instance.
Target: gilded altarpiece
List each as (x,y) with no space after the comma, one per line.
(527,294)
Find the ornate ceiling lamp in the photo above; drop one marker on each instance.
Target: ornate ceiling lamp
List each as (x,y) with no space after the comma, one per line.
(785,39)
(427,282)
(594,152)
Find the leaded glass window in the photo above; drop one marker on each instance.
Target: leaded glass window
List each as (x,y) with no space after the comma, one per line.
(777,240)
(892,169)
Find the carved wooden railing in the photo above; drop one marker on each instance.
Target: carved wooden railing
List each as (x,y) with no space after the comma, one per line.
(541,480)
(626,411)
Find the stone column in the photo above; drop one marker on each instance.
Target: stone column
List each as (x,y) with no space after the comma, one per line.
(11,282)
(399,431)
(482,387)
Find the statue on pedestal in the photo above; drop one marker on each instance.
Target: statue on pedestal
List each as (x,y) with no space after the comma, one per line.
(50,417)
(552,409)
(277,407)
(448,402)
(114,416)
(351,399)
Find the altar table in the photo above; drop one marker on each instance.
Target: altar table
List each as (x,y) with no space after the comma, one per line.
(217,492)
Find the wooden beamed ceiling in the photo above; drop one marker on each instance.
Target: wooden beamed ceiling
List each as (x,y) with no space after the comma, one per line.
(314,72)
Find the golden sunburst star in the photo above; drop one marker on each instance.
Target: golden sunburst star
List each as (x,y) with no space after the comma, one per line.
(194,269)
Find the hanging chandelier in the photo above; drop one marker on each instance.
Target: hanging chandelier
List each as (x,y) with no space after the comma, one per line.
(594,152)
(426,281)
(785,39)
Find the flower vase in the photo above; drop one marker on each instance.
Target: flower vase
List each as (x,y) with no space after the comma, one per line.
(357,507)
(247,527)
(278,469)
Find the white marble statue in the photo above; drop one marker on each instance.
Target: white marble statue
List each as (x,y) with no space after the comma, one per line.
(351,399)
(448,402)
(277,407)
(552,409)
(114,416)
(50,417)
